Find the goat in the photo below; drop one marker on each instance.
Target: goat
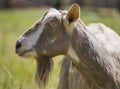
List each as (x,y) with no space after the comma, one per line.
(93,50)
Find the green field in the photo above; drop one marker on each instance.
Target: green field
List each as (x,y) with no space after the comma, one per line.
(18,73)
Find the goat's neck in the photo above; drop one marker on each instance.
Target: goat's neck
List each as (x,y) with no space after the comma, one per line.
(87,58)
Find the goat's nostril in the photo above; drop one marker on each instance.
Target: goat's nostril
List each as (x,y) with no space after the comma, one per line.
(18,45)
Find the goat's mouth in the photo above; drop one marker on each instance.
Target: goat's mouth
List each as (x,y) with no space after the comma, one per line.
(25,53)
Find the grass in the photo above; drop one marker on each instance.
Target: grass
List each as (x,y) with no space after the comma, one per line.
(18,73)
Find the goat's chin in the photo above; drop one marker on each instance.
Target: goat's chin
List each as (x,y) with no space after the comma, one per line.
(28,54)
(44,67)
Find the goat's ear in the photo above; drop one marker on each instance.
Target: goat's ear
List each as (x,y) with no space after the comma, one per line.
(73,13)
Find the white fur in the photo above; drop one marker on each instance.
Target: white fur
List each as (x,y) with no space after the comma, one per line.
(72,68)
(53,40)
(30,54)
(33,38)
(73,54)
(50,14)
(29,41)
(45,52)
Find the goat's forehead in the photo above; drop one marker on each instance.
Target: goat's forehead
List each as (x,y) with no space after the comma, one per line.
(51,13)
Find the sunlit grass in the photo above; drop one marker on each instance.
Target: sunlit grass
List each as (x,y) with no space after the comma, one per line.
(16,72)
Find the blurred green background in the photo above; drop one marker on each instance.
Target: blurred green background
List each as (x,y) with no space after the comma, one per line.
(18,73)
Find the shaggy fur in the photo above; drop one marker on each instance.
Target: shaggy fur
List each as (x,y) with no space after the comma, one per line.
(44,67)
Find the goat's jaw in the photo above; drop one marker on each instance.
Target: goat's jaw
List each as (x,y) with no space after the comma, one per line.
(28,53)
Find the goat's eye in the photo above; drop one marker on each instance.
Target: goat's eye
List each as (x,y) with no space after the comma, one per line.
(51,23)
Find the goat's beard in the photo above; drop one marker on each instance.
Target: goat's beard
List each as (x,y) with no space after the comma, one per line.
(44,67)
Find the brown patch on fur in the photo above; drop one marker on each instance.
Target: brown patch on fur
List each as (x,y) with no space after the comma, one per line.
(44,67)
